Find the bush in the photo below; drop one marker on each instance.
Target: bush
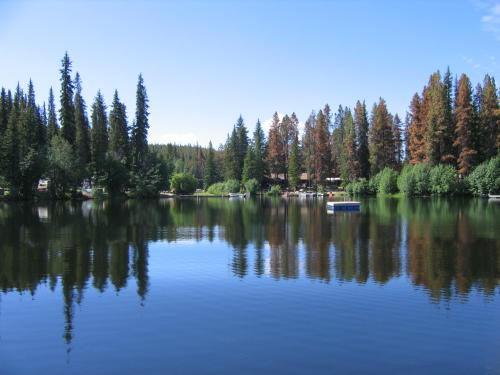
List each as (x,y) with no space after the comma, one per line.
(275,190)
(361,187)
(320,189)
(232,186)
(252,186)
(443,180)
(374,182)
(387,181)
(485,178)
(183,183)
(414,180)
(224,188)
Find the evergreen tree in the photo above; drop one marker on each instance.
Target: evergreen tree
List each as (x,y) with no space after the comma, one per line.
(52,126)
(308,146)
(118,128)
(260,148)
(338,140)
(348,162)
(250,167)
(99,136)
(9,161)
(276,149)
(4,111)
(416,132)
(398,141)
(67,110)
(448,130)
(231,157)
(322,154)
(382,148)
(82,141)
(139,136)
(464,126)
(242,145)
(295,162)
(489,117)
(362,128)
(210,173)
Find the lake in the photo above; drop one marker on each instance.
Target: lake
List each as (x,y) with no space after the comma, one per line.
(255,286)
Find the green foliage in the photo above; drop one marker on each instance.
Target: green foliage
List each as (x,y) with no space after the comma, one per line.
(294,169)
(62,169)
(414,180)
(320,189)
(388,181)
(252,186)
(443,180)
(250,166)
(232,186)
(485,178)
(115,175)
(275,190)
(219,188)
(361,187)
(210,173)
(149,180)
(183,183)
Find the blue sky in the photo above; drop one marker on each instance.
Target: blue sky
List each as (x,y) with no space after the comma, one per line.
(206,62)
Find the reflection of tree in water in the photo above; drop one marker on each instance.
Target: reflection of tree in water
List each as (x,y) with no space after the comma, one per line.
(450,247)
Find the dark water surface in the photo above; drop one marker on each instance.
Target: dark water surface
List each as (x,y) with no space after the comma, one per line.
(219,286)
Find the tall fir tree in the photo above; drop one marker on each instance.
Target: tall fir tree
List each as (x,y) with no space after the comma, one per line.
(99,136)
(308,146)
(118,129)
(276,148)
(337,140)
(489,119)
(348,162)
(210,172)
(322,154)
(464,126)
(382,149)
(250,168)
(139,136)
(231,157)
(397,126)
(52,126)
(82,141)
(260,148)
(362,129)
(5,106)
(67,110)
(416,132)
(295,163)
(242,145)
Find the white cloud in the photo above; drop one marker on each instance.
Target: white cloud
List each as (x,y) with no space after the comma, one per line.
(491,20)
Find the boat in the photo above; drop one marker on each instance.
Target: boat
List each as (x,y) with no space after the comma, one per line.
(306,195)
(236,195)
(344,206)
(494,197)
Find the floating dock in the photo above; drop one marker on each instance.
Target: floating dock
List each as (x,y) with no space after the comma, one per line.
(343,206)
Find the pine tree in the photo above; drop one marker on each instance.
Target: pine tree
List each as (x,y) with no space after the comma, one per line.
(67,110)
(489,117)
(210,173)
(9,161)
(362,128)
(260,148)
(250,167)
(337,140)
(139,136)
(322,153)
(276,149)
(382,149)
(308,146)
(416,132)
(348,162)
(231,157)
(4,111)
(464,126)
(295,162)
(99,135)
(242,145)
(118,128)
(52,126)
(448,130)
(82,141)
(398,141)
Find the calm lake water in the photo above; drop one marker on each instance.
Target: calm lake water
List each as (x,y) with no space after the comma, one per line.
(257,286)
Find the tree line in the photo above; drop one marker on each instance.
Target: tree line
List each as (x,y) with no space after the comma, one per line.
(71,150)
(448,123)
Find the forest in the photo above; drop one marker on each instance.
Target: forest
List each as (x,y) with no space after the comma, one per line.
(448,143)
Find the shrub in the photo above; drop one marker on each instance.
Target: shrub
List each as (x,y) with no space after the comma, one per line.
(320,189)
(443,180)
(252,186)
(388,181)
(361,187)
(414,180)
(374,182)
(183,183)
(232,186)
(275,190)
(217,189)
(485,178)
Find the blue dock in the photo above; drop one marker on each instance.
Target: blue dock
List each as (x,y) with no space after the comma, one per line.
(344,206)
